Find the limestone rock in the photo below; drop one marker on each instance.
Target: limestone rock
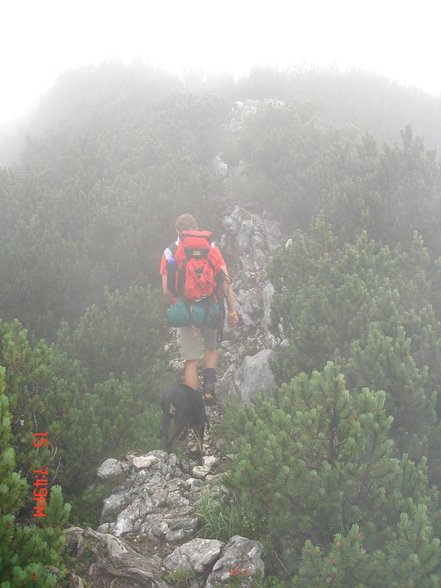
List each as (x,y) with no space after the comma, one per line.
(241,559)
(197,556)
(144,461)
(253,376)
(155,500)
(111,468)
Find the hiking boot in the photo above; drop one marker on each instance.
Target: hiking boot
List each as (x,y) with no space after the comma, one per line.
(209,393)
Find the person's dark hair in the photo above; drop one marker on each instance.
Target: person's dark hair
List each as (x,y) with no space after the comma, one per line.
(186,222)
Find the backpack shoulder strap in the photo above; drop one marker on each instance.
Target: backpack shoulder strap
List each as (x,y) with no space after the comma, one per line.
(173,246)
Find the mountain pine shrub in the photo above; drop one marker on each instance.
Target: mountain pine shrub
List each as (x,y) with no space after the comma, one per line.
(375,312)
(318,469)
(95,392)
(30,555)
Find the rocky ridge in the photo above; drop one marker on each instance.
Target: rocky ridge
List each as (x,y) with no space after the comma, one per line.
(149,524)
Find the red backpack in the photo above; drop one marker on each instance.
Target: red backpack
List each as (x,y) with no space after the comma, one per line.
(196,272)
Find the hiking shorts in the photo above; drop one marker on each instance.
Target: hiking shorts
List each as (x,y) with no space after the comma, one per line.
(192,347)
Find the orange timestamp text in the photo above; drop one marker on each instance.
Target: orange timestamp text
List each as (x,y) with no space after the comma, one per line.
(41,478)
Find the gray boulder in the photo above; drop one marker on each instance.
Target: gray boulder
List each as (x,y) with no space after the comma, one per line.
(111,468)
(251,377)
(241,559)
(196,556)
(155,501)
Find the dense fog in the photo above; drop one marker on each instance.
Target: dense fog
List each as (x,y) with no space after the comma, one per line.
(338,473)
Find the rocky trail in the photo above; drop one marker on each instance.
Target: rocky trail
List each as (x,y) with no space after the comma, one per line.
(150,529)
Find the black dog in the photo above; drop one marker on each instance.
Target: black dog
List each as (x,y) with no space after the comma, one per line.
(186,407)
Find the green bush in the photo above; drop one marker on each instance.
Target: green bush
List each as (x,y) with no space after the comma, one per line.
(320,463)
(371,310)
(95,393)
(27,552)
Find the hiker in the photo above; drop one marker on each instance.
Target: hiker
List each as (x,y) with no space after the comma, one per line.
(195,280)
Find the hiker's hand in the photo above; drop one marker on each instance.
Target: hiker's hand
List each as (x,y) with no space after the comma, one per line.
(233,319)
(169,296)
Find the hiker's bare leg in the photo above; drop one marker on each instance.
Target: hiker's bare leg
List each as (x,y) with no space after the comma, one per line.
(211,358)
(191,373)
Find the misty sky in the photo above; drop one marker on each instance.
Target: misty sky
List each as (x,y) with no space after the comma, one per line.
(39,39)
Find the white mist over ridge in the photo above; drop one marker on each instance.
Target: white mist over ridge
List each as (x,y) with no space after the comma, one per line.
(398,40)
